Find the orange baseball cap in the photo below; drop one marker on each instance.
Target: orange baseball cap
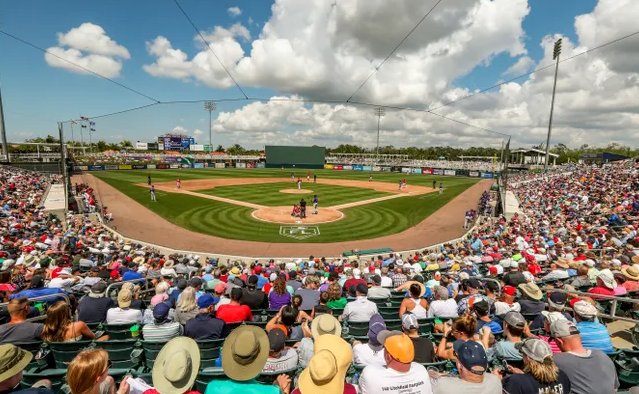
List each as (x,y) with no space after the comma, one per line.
(398,345)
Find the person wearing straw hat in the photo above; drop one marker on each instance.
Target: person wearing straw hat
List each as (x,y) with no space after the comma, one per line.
(631,273)
(326,372)
(244,355)
(399,373)
(558,270)
(123,314)
(176,366)
(606,284)
(13,361)
(321,325)
(531,298)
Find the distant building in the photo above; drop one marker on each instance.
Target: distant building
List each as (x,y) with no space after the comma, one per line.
(600,158)
(530,158)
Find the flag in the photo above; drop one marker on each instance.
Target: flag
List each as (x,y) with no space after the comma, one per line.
(74,122)
(92,123)
(92,129)
(84,126)
(83,118)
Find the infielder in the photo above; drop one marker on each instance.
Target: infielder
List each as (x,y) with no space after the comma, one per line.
(178,183)
(315,202)
(152,191)
(308,176)
(441,188)
(370,178)
(299,183)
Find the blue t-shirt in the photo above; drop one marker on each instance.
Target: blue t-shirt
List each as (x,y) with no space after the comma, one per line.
(233,387)
(130,275)
(595,336)
(494,326)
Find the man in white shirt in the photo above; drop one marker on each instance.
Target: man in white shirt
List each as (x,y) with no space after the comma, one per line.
(386,280)
(442,306)
(557,271)
(123,314)
(280,357)
(65,280)
(361,309)
(399,373)
(377,291)
(371,353)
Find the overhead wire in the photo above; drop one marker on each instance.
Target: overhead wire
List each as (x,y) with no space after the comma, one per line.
(78,66)
(209,46)
(394,50)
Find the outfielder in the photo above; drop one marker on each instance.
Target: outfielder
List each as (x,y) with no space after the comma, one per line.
(315,202)
(152,191)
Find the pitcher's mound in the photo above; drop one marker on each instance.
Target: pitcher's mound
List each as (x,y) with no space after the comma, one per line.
(296,191)
(283,215)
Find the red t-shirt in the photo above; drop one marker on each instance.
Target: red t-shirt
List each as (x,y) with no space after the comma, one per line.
(234,313)
(601,290)
(56,272)
(353,282)
(348,389)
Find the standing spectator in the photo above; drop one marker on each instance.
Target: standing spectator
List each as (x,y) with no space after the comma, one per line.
(186,307)
(472,365)
(594,334)
(361,309)
(424,348)
(162,329)
(18,329)
(94,307)
(589,370)
(234,311)
(123,314)
(371,353)
(278,297)
(204,326)
(400,368)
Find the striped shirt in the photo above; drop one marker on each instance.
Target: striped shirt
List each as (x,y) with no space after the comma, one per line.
(595,336)
(161,333)
(398,280)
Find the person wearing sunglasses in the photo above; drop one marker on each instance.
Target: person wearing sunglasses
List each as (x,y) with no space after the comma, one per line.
(88,373)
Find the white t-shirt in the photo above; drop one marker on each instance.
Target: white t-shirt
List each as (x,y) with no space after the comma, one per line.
(60,283)
(124,316)
(286,361)
(363,354)
(383,380)
(417,268)
(387,282)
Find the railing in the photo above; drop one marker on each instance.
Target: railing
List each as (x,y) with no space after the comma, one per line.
(119,284)
(613,305)
(47,298)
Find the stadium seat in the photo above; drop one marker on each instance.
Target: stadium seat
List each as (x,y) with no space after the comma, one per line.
(124,354)
(269,378)
(388,313)
(151,351)
(393,324)
(64,352)
(356,328)
(208,374)
(381,302)
(257,323)
(209,351)
(56,376)
(338,312)
(120,331)
(440,365)
(33,348)
(424,328)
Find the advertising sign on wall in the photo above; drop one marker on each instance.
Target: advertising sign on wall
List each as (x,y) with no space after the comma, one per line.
(377,168)
(427,171)
(260,165)
(150,166)
(474,173)
(125,167)
(250,165)
(368,168)
(175,166)
(396,169)
(220,165)
(487,175)
(406,170)
(438,171)
(198,165)
(139,166)
(357,167)
(385,169)
(449,172)
(417,170)
(347,168)
(338,167)
(160,146)
(141,146)
(152,146)
(196,148)
(96,168)
(111,167)
(328,166)
(162,166)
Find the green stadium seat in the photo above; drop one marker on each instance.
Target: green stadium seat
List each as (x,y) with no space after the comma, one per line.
(393,324)
(257,323)
(209,351)
(424,328)
(151,351)
(338,311)
(120,331)
(208,374)
(440,365)
(356,328)
(398,294)
(380,301)
(388,312)
(33,348)
(124,354)
(64,352)
(269,378)
(56,376)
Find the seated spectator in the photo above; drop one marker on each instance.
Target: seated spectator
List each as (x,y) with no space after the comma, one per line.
(415,304)
(399,355)
(469,290)
(514,277)
(326,371)
(136,302)
(481,309)
(244,354)
(541,376)
(234,311)
(309,293)
(37,289)
(361,309)
(321,308)
(371,352)
(589,370)
(322,325)
(377,291)
(13,361)
(286,319)
(443,306)
(204,325)
(424,348)
(123,314)
(335,298)
(186,307)
(162,328)
(594,334)
(176,367)
(94,307)
(60,327)
(252,296)
(280,358)
(582,279)
(133,274)
(65,280)
(556,303)
(472,364)
(606,284)
(506,302)
(181,284)
(631,273)
(558,270)
(89,373)
(531,299)
(18,330)
(461,330)
(220,291)
(279,296)
(514,324)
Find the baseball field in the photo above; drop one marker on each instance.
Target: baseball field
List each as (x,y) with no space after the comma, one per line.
(256,204)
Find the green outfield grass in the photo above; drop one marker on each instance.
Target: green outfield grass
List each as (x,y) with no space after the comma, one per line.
(269,193)
(235,222)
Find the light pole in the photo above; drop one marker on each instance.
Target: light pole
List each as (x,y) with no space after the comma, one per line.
(379,112)
(555,56)
(210,106)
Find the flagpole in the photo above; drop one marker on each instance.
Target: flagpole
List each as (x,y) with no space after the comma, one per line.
(84,150)
(72,139)
(90,143)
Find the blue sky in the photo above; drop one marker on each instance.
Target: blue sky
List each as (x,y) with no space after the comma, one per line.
(36,95)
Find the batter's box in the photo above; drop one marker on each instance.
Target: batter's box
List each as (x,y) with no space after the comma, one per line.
(299,232)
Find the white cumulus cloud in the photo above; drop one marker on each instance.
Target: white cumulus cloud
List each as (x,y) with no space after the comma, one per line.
(234,11)
(89,47)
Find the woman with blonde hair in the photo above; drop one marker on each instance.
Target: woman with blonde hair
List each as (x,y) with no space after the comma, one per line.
(60,327)
(88,373)
(335,298)
(186,308)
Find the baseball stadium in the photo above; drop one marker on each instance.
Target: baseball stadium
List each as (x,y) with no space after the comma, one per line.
(285,197)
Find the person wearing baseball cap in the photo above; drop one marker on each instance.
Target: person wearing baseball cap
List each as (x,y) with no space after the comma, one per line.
(594,334)
(280,357)
(424,348)
(400,370)
(377,291)
(94,307)
(162,328)
(204,326)
(472,364)
(514,325)
(556,303)
(514,277)
(541,376)
(589,370)
(370,353)
(506,301)
(470,288)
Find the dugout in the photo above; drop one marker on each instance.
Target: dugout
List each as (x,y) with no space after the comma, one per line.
(310,157)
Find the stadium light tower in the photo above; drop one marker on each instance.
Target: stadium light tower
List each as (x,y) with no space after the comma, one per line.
(210,106)
(555,56)
(379,112)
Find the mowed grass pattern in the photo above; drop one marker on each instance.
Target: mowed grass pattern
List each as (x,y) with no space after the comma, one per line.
(269,194)
(235,222)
